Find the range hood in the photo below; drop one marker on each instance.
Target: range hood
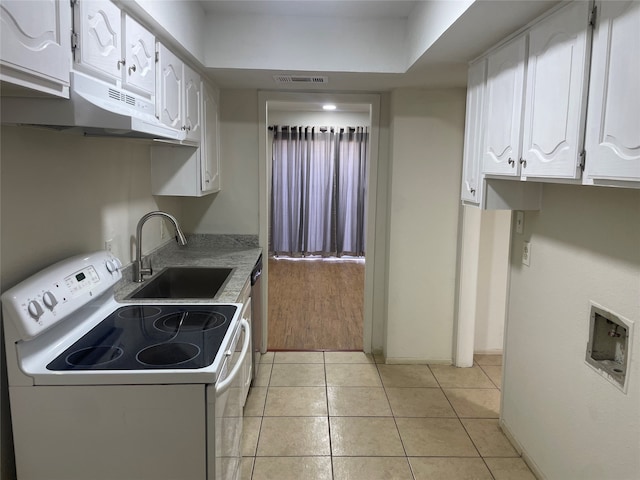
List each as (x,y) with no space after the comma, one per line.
(94,108)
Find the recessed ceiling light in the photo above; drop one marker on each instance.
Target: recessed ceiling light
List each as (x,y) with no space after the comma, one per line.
(328,106)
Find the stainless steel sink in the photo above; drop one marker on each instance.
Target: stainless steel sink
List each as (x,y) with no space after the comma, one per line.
(184,282)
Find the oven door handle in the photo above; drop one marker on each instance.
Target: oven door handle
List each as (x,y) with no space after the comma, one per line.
(224,384)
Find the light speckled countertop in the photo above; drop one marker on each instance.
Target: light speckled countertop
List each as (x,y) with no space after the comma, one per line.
(240,252)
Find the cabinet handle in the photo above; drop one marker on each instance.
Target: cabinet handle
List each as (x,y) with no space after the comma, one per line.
(132,68)
(523,162)
(121,62)
(473,191)
(511,161)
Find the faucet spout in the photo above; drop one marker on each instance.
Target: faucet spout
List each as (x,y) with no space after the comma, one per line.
(138,269)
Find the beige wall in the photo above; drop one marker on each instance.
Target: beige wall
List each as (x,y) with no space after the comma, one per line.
(235,208)
(65,194)
(585,246)
(426,132)
(493,273)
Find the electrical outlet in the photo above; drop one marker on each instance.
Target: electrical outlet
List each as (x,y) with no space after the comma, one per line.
(519,222)
(163,230)
(526,253)
(108,245)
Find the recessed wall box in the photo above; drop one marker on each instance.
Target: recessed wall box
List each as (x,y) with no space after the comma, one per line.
(609,347)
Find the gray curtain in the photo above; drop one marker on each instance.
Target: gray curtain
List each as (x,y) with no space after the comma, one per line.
(318,190)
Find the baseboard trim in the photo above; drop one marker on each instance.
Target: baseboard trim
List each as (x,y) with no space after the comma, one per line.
(488,352)
(521,451)
(416,361)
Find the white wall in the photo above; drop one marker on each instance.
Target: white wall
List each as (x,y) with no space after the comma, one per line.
(427,129)
(493,272)
(306,43)
(571,422)
(182,23)
(234,210)
(428,21)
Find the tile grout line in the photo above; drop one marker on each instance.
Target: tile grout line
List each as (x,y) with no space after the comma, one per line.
(395,422)
(326,392)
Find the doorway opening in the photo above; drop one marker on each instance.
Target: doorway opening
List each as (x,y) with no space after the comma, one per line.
(315,300)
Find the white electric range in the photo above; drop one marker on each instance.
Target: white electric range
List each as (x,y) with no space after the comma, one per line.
(105,390)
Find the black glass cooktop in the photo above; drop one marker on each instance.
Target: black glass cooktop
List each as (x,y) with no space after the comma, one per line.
(140,337)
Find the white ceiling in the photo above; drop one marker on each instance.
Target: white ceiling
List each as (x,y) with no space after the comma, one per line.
(443,64)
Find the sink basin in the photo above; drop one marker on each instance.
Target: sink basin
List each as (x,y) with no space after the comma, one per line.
(184,282)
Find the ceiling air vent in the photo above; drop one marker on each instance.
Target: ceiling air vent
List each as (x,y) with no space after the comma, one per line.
(300,79)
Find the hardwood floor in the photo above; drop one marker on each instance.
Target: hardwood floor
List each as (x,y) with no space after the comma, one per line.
(315,305)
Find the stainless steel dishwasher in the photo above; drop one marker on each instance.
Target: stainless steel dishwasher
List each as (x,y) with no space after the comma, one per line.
(256,314)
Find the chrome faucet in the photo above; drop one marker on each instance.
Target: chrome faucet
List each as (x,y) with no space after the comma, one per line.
(138,270)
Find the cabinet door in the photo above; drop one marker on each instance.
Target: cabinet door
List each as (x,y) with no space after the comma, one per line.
(471,176)
(140,52)
(613,133)
(38,45)
(503,109)
(170,87)
(100,39)
(192,104)
(556,92)
(210,160)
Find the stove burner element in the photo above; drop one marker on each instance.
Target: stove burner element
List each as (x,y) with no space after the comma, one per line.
(88,357)
(138,311)
(167,354)
(193,322)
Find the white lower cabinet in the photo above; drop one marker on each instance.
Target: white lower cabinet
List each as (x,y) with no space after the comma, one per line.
(613,129)
(35,50)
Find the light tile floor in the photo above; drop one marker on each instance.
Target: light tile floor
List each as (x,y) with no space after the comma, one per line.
(342,416)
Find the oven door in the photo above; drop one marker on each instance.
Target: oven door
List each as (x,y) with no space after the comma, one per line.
(224,410)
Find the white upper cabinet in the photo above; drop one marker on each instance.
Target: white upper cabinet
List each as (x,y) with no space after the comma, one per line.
(99,30)
(113,46)
(503,108)
(535,128)
(190,171)
(472,182)
(35,50)
(555,94)
(613,130)
(140,58)
(179,94)
(210,146)
(169,87)
(192,103)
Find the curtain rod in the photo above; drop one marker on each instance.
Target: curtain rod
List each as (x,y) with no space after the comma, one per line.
(322,129)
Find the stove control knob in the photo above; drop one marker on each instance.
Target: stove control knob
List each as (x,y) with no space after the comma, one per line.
(113,265)
(50,301)
(35,310)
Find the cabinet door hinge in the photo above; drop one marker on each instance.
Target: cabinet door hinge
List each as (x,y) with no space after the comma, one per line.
(73,3)
(583,159)
(74,41)
(157,56)
(593,16)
